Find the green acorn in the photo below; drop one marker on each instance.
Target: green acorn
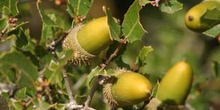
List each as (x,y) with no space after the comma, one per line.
(88,40)
(126,88)
(195,20)
(175,85)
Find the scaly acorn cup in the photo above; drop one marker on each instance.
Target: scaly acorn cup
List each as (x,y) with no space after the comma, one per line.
(175,85)
(195,20)
(88,40)
(125,88)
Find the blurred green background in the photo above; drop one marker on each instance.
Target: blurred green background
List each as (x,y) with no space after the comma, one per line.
(168,36)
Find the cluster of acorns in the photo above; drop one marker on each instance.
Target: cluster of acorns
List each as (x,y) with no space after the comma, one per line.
(124,87)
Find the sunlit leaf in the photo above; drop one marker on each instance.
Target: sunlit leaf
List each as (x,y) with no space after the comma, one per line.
(54,72)
(96,71)
(170,6)
(213,32)
(79,7)
(41,105)
(21,93)
(115,29)
(142,57)
(131,26)
(212,14)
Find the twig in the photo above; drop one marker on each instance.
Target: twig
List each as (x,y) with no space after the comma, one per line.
(114,54)
(94,88)
(47,90)
(72,104)
(68,88)
(54,43)
(4,31)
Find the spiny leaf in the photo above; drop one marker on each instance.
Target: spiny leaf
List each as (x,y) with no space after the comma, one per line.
(115,29)
(9,7)
(142,57)
(96,71)
(170,6)
(131,26)
(26,71)
(54,71)
(79,7)
(54,23)
(213,32)
(212,14)
(45,19)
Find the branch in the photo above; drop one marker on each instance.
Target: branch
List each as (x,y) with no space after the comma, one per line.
(54,43)
(11,22)
(94,88)
(114,54)
(68,88)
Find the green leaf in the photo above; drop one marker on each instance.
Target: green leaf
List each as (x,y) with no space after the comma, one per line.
(3,23)
(212,14)
(131,26)
(141,60)
(155,89)
(144,2)
(96,71)
(79,7)
(54,23)
(9,7)
(213,32)
(54,70)
(212,17)
(216,67)
(21,38)
(115,29)
(170,6)
(21,93)
(45,19)
(24,71)
(41,105)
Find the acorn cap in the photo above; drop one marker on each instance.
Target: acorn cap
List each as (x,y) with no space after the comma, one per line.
(80,56)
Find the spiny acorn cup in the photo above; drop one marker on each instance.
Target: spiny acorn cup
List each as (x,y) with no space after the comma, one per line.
(88,40)
(126,88)
(175,85)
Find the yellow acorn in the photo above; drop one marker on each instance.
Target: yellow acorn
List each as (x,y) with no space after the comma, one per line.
(194,18)
(88,40)
(126,88)
(175,85)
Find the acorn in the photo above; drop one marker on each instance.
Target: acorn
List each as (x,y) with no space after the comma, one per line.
(88,40)
(175,85)
(125,88)
(195,20)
